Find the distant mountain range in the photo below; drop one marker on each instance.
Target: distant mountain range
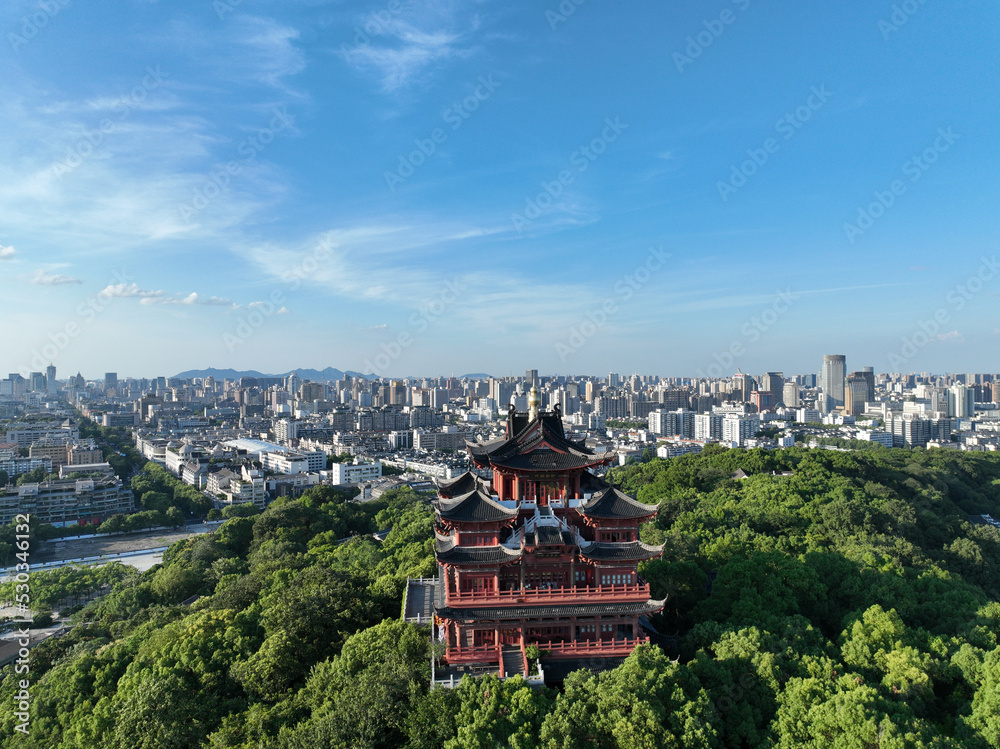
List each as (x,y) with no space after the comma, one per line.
(328,375)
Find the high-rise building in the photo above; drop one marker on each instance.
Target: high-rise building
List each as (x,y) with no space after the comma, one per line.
(50,378)
(531,378)
(738,429)
(773,382)
(961,401)
(743,385)
(856,394)
(869,374)
(832,379)
(790,395)
(36,382)
(110,381)
(708,426)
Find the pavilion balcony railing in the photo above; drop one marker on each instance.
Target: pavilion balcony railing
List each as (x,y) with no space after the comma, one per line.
(474,654)
(574,594)
(592,648)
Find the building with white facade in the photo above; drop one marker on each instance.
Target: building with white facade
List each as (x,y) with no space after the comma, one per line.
(353,473)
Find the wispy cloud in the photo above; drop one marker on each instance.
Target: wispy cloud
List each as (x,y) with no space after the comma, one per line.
(160,297)
(406,47)
(951,335)
(131,290)
(194,298)
(41,278)
(6,253)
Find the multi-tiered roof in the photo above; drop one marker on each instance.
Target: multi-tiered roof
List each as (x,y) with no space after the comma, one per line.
(544,553)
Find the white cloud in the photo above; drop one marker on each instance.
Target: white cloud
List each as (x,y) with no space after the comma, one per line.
(951,335)
(148,296)
(41,278)
(130,290)
(407,46)
(6,253)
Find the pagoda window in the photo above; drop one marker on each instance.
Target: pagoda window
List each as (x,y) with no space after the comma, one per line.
(616,536)
(618,579)
(483,637)
(478,582)
(479,539)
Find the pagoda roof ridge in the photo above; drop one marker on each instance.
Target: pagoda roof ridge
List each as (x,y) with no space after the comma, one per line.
(460,555)
(611,503)
(623,551)
(528,438)
(461,485)
(521,611)
(473,507)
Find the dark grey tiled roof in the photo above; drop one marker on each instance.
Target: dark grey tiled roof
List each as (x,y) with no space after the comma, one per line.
(477,555)
(464,484)
(547,535)
(614,504)
(630,552)
(474,507)
(548,612)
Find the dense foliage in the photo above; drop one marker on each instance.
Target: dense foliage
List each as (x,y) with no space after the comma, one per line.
(849,604)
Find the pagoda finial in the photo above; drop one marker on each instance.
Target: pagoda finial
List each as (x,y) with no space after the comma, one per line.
(533,402)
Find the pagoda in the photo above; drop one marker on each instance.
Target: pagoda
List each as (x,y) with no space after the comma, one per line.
(546,553)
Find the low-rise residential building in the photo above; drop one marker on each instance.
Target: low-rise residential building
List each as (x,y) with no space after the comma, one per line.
(17,466)
(67,501)
(353,473)
(292,462)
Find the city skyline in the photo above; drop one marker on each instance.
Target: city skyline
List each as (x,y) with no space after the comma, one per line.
(457,187)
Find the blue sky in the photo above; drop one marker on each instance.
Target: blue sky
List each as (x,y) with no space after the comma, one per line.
(447,187)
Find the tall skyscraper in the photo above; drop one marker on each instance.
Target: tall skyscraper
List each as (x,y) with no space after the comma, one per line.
(869,374)
(961,401)
(773,383)
(790,395)
(531,378)
(856,393)
(50,378)
(110,380)
(832,379)
(743,385)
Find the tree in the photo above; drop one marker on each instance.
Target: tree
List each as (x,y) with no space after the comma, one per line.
(174,517)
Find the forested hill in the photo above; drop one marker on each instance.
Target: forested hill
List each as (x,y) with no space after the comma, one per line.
(848,604)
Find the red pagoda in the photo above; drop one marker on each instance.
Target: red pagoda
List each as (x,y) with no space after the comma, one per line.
(545,554)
